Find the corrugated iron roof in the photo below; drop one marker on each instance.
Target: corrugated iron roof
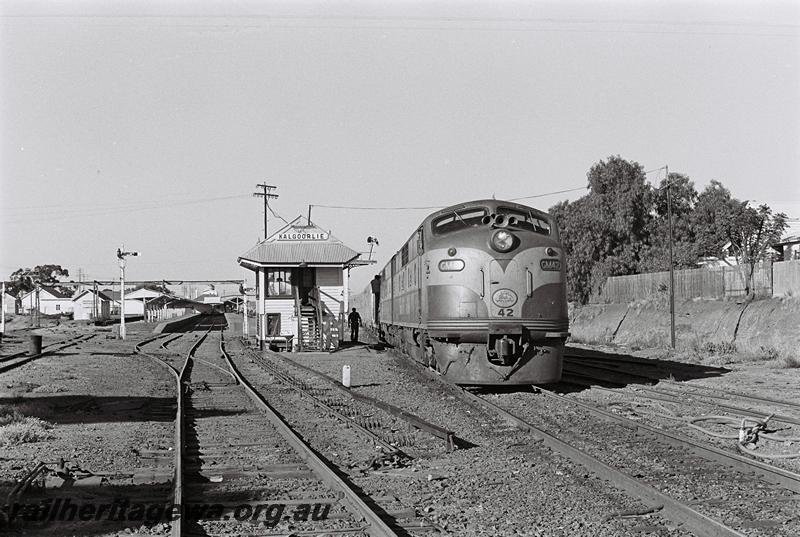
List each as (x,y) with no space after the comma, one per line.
(52,291)
(312,253)
(792,232)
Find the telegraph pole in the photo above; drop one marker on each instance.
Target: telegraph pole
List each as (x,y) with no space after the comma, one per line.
(121,256)
(671,265)
(3,313)
(38,305)
(266,193)
(94,302)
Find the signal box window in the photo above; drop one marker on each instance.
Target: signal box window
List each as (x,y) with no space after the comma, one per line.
(460,219)
(279,283)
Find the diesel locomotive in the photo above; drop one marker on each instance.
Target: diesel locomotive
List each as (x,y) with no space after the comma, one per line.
(477,293)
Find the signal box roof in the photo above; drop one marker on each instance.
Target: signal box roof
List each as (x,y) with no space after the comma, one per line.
(298,244)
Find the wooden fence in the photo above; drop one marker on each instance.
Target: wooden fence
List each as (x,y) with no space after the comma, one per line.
(769,279)
(786,278)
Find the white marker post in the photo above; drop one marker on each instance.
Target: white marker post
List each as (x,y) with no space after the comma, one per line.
(346,376)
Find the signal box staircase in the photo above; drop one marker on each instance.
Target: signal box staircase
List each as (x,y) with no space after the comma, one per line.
(319,328)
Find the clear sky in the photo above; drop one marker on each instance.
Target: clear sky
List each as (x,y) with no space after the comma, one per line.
(149,124)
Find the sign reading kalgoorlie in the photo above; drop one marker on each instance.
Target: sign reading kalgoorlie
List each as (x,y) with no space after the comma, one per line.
(296,235)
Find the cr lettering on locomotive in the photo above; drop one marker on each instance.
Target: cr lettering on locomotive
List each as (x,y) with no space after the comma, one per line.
(550,264)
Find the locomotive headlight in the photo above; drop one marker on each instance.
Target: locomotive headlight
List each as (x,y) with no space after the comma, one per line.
(502,241)
(451,265)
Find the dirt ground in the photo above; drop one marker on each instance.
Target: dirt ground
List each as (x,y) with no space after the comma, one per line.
(103,408)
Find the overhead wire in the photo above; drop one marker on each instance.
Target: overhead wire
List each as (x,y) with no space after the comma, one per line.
(433,207)
(106,210)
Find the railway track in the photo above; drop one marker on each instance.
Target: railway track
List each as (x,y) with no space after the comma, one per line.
(667,487)
(379,418)
(242,469)
(766,490)
(715,412)
(354,447)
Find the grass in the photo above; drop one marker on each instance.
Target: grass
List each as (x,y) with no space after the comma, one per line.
(789,362)
(16,428)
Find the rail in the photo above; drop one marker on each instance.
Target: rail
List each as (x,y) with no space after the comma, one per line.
(376,527)
(672,509)
(449,437)
(180,434)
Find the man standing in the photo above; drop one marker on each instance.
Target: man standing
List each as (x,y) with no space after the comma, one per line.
(354,320)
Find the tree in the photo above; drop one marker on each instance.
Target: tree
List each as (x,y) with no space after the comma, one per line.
(620,201)
(751,231)
(622,227)
(655,255)
(26,279)
(577,238)
(605,231)
(710,218)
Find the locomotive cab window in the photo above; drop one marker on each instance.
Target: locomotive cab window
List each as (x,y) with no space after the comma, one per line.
(456,220)
(527,220)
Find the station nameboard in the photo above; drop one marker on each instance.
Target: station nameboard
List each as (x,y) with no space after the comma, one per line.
(297,235)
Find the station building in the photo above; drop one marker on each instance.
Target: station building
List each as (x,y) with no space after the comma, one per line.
(302,275)
(48,300)
(90,305)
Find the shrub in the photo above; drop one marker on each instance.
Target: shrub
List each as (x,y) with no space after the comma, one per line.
(24,431)
(790,362)
(768,353)
(9,414)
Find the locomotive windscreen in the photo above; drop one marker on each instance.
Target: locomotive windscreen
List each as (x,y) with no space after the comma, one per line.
(459,220)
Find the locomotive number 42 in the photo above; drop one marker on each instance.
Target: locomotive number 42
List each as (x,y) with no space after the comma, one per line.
(505,312)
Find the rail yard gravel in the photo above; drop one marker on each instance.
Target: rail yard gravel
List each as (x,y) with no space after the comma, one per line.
(107,407)
(500,482)
(505,484)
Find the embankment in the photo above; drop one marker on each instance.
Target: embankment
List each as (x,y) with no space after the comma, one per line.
(770,327)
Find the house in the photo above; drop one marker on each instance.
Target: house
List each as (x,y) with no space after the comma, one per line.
(9,304)
(51,301)
(89,305)
(788,248)
(135,300)
(113,297)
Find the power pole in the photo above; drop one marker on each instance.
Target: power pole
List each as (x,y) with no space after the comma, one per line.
(121,256)
(671,265)
(3,312)
(38,305)
(94,302)
(266,193)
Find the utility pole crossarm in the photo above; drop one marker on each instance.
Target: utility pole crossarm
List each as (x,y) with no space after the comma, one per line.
(266,193)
